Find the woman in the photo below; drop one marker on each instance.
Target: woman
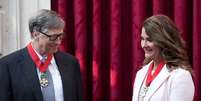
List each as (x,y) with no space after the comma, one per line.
(166,72)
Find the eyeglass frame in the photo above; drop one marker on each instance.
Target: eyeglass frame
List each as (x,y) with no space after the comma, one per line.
(52,37)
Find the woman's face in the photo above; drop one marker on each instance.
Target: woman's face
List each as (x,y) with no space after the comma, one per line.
(151,50)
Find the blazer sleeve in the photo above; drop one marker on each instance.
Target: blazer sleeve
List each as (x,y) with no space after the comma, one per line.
(5,86)
(182,87)
(134,97)
(78,83)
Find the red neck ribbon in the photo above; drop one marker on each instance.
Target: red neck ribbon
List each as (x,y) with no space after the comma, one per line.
(42,66)
(151,77)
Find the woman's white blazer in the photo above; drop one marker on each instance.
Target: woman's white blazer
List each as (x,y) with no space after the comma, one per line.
(176,85)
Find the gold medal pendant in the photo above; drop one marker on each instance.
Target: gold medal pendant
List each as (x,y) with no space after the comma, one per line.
(43,80)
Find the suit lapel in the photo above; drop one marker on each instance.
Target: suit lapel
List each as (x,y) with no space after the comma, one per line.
(158,81)
(65,75)
(31,76)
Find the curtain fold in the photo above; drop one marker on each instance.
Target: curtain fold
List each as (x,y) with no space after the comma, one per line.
(104,35)
(196,51)
(97,22)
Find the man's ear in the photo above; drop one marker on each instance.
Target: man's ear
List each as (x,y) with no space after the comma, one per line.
(35,35)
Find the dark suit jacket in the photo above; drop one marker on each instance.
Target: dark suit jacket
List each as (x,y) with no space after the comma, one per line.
(19,80)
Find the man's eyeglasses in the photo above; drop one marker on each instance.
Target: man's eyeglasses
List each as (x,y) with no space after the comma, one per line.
(53,37)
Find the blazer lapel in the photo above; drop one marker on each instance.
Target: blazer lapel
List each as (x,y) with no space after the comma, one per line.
(158,81)
(30,73)
(140,79)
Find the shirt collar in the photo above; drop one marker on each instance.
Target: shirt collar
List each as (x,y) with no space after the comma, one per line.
(40,56)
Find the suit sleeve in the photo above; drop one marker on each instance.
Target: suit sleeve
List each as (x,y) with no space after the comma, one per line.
(78,82)
(182,88)
(5,89)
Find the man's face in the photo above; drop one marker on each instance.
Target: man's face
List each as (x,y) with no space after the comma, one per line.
(48,43)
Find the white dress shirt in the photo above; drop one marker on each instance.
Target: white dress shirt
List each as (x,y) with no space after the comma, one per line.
(56,77)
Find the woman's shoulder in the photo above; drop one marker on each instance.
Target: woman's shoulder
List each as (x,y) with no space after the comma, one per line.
(182,79)
(180,71)
(144,68)
(180,74)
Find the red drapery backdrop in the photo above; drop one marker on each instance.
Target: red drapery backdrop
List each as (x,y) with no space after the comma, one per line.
(105,37)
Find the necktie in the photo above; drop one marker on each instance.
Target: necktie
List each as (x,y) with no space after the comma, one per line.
(48,91)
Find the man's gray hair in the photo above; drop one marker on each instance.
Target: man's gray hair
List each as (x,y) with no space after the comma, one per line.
(45,19)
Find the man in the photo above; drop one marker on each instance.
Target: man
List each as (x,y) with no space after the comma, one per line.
(40,72)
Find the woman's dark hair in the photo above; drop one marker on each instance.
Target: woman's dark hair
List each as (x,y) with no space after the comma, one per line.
(164,33)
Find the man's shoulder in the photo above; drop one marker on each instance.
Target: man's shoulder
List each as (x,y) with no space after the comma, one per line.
(65,56)
(16,55)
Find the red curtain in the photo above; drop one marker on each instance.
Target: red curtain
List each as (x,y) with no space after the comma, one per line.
(105,37)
